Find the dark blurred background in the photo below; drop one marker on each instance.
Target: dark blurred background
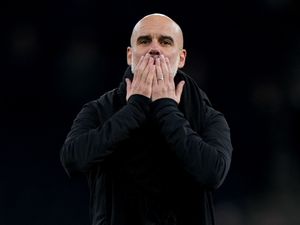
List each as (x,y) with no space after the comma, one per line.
(57,55)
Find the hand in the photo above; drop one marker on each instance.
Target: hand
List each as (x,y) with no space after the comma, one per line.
(163,85)
(142,78)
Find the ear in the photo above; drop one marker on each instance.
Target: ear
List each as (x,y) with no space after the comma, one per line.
(182,57)
(129,54)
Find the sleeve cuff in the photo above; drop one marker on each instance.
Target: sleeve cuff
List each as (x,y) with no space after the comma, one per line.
(163,103)
(141,102)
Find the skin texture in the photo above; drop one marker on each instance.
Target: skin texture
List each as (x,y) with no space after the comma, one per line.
(155,54)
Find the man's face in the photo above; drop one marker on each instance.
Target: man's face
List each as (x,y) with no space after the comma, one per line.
(157,35)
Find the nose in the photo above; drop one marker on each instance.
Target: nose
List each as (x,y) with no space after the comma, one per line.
(154,53)
(155,48)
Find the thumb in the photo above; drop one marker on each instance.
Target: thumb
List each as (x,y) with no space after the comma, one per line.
(128,88)
(179,89)
(128,84)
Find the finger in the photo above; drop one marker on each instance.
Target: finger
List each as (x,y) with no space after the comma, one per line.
(141,66)
(154,80)
(170,75)
(145,66)
(147,72)
(159,72)
(137,73)
(164,67)
(179,89)
(140,61)
(151,74)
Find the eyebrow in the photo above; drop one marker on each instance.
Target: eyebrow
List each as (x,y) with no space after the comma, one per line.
(167,37)
(148,37)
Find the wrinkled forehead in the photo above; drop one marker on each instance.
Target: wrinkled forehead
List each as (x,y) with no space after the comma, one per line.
(156,26)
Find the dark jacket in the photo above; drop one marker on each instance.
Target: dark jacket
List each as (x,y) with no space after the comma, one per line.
(150,163)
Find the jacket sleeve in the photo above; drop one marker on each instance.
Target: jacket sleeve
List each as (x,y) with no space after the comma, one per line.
(207,157)
(90,141)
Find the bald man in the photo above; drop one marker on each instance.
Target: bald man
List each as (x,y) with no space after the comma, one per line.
(153,149)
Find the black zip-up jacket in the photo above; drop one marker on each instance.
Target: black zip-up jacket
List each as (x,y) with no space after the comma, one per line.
(150,163)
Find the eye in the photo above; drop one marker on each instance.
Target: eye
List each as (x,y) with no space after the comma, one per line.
(166,41)
(143,40)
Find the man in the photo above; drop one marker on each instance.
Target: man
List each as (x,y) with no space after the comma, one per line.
(153,149)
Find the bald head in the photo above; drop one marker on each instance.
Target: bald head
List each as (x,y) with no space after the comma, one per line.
(158,35)
(154,22)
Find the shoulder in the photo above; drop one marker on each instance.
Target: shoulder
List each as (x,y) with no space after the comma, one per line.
(103,100)
(106,98)
(194,89)
(104,106)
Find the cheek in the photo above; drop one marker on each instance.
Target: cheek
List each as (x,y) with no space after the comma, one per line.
(135,56)
(134,60)
(174,63)
(174,60)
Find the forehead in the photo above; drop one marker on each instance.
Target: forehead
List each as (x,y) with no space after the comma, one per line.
(155,27)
